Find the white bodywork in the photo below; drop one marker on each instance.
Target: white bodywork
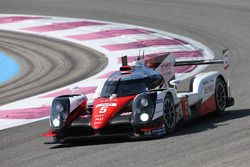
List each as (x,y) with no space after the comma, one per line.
(203,87)
(160,101)
(75,101)
(166,68)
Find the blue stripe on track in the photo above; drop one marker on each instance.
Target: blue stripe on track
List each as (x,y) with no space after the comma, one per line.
(9,68)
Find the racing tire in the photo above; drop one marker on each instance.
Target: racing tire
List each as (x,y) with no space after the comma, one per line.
(220,96)
(169,114)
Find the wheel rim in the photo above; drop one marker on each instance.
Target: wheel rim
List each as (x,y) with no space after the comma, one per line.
(169,113)
(221,96)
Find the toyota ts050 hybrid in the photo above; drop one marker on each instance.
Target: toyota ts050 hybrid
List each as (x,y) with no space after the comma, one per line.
(141,100)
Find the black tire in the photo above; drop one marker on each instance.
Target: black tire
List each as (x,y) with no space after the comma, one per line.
(169,114)
(220,96)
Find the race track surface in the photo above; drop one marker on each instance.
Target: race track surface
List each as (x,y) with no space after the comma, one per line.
(209,141)
(45,64)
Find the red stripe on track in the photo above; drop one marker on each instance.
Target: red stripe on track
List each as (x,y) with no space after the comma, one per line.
(12,19)
(29,113)
(63,26)
(85,90)
(109,34)
(143,44)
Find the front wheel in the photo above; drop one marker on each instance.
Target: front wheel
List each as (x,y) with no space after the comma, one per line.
(220,96)
(169,114)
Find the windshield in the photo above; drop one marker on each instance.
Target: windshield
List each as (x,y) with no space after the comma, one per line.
(123,88)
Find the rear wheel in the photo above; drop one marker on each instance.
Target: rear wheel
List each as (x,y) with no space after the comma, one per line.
(169,114)
(220,96)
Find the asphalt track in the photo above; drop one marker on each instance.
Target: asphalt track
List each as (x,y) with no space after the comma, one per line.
(209,141)
(46,64)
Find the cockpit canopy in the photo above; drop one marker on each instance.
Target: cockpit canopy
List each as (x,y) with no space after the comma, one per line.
(138,81)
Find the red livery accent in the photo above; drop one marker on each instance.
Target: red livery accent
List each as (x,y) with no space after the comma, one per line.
(151,128)
(125,69)
(106,108)
(226,66)
(208,106)
(50,133)
(185,107)
(74,114)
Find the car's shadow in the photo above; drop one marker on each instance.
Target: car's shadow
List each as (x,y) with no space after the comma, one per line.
(96,141)
(199,125)
(210,122)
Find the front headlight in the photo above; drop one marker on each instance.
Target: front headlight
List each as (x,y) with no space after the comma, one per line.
(143,107)
(59,112)
(59,107)
(144,102)
(144,117)
(56,122)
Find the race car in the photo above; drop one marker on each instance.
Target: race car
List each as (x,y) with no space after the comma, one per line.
(141,100)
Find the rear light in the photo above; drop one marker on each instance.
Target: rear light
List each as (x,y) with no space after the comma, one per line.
(125,69)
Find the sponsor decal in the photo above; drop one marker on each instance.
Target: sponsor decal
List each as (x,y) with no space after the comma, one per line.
(159,131)
(84,116)
(158,111)
(106,105)
(99,119)
(103,109)
(166,67)
(126,113)
(100,115)
(96,123)
(159,101)
(209,89)
(205,83)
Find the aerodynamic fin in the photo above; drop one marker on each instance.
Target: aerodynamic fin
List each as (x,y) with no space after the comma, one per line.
(224,60)
(124,60)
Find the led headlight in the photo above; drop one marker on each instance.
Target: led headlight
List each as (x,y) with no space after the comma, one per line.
(56,122)
(143,108)
(59,112)
(59,107)
(144,117)
(144,102)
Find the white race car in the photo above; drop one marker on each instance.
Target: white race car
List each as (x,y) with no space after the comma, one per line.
(142,100)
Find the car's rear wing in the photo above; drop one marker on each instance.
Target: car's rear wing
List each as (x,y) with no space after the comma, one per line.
(224,61)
